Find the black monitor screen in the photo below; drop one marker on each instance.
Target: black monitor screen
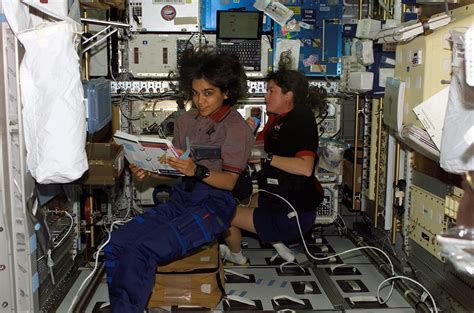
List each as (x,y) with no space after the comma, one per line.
(239,24)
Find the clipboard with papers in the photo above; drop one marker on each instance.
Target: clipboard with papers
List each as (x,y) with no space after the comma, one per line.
(148,153)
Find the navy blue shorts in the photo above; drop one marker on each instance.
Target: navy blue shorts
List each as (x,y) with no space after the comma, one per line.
(272,223)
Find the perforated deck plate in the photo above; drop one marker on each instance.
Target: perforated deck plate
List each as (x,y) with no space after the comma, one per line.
(269,285)
(371,279)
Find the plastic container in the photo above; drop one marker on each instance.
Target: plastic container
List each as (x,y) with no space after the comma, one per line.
(457,245)
(99,104)
(331,154)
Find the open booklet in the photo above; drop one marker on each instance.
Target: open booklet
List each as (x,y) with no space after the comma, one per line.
(148,153)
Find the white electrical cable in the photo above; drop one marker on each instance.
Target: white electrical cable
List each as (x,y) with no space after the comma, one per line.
(50,264)
(50,261)
(413,281)
(282,265)
(384,6)
(96,255)
(342,220)
(68,231)
(379,299)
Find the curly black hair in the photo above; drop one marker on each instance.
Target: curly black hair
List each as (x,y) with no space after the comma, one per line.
(303,94)
(221,70)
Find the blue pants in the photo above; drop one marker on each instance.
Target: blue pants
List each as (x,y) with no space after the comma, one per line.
(188,221)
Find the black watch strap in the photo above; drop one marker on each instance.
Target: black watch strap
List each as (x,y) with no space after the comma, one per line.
(201,172)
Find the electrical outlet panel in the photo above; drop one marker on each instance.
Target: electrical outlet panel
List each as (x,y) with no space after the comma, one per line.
(329,208)
(142,87)
(256,88)
(331,87)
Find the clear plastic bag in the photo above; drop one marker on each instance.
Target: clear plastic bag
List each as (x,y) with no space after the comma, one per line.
(331,154)
(457,244)
(457,142)
(277,11)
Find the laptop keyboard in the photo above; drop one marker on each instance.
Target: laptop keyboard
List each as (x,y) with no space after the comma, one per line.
(248,52)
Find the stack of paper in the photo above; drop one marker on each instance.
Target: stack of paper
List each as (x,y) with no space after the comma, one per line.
(403,32)
(438,21)
(409,30)
(418,139)
(431,113)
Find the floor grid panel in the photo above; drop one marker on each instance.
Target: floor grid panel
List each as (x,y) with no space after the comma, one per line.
(309,286)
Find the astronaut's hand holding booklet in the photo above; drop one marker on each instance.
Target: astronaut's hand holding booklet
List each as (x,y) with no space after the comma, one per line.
(148,153)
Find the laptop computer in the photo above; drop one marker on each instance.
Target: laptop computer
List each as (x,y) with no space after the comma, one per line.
(240,33)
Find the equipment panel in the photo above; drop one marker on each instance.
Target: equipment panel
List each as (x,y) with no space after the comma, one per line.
(164,15)
(329,208)
(330,124)
(156,55)
(318,30)
(427,219)
(415,59)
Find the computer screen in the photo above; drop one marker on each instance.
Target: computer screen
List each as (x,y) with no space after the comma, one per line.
(239,25)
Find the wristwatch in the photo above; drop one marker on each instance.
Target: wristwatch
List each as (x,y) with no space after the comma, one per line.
(266,160)
(201,172)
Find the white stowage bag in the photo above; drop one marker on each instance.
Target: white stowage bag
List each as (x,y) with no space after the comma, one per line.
(54,114)
(457,142)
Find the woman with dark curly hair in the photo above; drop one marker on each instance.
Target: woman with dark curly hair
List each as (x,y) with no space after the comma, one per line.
(201,207)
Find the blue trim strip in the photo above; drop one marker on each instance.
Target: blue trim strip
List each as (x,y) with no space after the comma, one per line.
(109,280)
(109,264)
(35,282)
(33,243)
(140,219)
(198,219)
(181,243)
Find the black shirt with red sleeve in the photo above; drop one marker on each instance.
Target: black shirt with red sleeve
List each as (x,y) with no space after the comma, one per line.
(295,134)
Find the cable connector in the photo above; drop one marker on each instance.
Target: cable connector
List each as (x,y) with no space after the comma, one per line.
(50,259)
(423,297)
(50,264)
